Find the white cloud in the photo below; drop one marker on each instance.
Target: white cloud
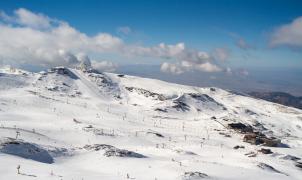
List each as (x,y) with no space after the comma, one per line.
(288,35)
(187,59)
(208,67)
(241,43)
(31,19)
(162,51)
(30,38)
(171,68)
(124,30)
(27,18)
(104,66)
(184,66)
(221,54)
(22,43)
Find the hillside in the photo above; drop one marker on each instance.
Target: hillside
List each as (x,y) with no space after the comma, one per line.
(68,124)
(280,98)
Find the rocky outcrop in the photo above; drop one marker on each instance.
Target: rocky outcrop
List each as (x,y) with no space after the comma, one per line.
(110,150)
(26,150)
(259,138)
(180,106)
(147,93)
(241,127)
(194,175)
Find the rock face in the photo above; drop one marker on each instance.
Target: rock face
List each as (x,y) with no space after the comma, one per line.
(269,168)
(241,127)
(147,93)
(299,165)
(292,158)
(198,101)
(238,147)
(97,131)
(156,134)
(26,150)
(113,151)
(63,71)
(254,137)
(265,151)
(194,176)
(259,138)
(180,106)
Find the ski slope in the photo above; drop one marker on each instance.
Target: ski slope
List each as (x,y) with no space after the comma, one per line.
(70,124)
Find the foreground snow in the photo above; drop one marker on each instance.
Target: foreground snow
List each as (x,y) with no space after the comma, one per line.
(69,124)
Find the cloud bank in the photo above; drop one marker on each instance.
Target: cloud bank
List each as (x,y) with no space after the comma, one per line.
(34,38)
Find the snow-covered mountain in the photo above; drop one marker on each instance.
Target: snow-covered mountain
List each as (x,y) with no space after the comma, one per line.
(68,124)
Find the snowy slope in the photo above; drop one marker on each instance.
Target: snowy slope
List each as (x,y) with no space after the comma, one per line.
(69,124)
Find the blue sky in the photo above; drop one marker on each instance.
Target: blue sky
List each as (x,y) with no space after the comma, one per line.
(200,25)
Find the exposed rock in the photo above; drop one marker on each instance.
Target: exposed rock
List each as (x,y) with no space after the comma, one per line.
(156,134)
(259,126)
(237,147)
(97,147)
(251,154)
(224,134)
(206,98)
(265,151)
(292,158)
(147,93)
(249,112)
(113,151)
(269,168)
(76,121)
(161,110)
(180,151)
(181,106)
(241,127)
(63,71)
(271,142)
(105,84)
(26,150)
(299,164)
(194,175)
(98,131)
(257,138)
(252,138)
(122,153)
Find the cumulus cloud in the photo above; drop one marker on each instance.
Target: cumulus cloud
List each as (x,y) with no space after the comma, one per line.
(33,38)
(289,35)
(171,68)
(184,66)
(192,60)
(104,66)
(27,18)
(187,59)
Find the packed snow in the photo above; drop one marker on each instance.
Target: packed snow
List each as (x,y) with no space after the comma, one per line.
(84,125)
